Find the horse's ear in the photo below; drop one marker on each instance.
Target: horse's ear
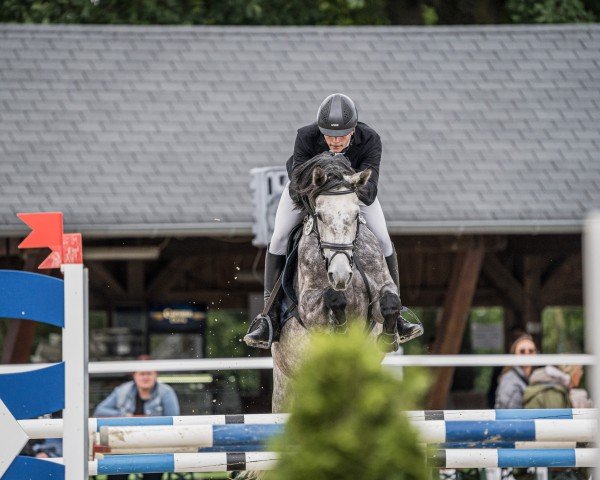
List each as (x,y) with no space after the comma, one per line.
(360,179)
(319,177)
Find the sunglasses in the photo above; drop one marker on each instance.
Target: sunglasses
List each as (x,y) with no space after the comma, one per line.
(524,351)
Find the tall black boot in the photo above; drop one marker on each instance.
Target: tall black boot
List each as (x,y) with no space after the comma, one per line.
(406,330)
(264,329)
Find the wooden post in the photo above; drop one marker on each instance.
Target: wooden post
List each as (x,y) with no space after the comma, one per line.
(532,278)
(453,320)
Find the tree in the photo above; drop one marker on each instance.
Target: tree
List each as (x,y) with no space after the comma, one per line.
(347,416)
(548,11)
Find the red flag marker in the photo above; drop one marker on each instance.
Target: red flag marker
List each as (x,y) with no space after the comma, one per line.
(47,232)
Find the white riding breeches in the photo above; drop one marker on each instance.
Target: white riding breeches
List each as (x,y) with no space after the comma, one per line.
(288,216)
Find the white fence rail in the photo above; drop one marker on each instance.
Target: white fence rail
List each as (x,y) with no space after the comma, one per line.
(266,363)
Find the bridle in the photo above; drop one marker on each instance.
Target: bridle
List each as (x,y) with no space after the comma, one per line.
(312,224)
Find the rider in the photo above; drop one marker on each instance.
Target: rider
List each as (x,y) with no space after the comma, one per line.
(337,130)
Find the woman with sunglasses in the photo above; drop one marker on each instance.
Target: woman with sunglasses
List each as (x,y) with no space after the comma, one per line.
(514,380)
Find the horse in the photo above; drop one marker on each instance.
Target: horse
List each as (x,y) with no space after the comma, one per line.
(341,275)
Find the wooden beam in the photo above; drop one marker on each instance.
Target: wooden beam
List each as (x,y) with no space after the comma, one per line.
(454,317)
(135,279)
(102,277)
(168,276)
(502,278)
(532,278)
(569,272)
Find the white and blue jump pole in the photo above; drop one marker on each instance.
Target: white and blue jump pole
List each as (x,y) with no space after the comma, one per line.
(224,462)
(53,427)
(434,431)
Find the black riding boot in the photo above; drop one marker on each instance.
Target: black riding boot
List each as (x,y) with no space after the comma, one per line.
(264,329)
(406,330)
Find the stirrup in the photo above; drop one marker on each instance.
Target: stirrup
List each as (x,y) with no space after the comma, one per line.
(260,343)
(417,332)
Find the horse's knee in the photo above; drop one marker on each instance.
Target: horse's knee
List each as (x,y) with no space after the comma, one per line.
(335,300)
(390,304)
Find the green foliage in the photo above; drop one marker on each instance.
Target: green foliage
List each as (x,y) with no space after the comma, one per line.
(200,12)
(224,332)
(347,419)
(548,11)
(563,330)
(430,16)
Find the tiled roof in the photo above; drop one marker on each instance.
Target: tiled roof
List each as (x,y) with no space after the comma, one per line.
(155,129)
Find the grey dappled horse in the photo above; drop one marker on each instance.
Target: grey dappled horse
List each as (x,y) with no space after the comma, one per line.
(330,290)
(334,244)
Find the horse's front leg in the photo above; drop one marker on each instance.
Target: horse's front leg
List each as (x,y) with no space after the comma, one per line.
(390,305)
(336,302)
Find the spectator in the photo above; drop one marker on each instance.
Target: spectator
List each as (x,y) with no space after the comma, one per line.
(143,396)
(514,380)
(551,387)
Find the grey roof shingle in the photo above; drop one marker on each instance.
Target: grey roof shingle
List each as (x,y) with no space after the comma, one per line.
(484,128)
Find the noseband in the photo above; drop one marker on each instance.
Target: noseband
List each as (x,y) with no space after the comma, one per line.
(347,249)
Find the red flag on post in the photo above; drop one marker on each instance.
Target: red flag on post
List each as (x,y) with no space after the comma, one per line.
(47,232)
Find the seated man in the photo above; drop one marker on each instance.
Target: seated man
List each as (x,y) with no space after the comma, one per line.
(143,396)
(337,130)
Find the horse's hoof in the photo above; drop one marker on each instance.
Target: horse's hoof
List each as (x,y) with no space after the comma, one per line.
(414,331)
(387,342)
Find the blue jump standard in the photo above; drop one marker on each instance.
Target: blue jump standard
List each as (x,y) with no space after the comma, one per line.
(31,296)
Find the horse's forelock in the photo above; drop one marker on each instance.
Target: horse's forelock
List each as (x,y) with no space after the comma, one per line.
(336,169)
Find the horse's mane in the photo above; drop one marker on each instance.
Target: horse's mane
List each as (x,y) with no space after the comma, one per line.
(335,166)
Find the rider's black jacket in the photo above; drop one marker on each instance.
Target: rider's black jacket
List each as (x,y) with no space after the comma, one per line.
(364,152)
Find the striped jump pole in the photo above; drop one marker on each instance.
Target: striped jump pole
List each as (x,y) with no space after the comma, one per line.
(180,463)
(52,428)
(434,431)
(249,447)
(200,436)
(506,458)
(226,462)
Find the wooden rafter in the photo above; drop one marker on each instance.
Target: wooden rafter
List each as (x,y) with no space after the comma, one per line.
(502,278)
(164,281)
(553,289)
(103,278)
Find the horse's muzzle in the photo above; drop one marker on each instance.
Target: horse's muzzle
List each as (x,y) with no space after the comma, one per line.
(339,283)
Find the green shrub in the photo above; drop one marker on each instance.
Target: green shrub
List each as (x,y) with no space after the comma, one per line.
(347,416)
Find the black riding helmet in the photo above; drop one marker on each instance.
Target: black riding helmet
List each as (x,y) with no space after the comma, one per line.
(337,115)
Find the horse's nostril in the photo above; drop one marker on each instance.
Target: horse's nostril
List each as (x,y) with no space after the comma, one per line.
(330,276)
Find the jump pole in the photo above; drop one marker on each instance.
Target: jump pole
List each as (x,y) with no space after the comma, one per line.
(430,432)
(53,427)
(224,462)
